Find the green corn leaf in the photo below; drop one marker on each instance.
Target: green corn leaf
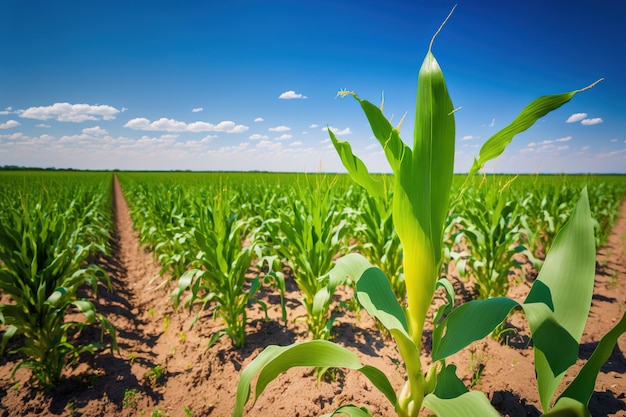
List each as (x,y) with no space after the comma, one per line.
(350,411)
(376,296)
(572,255)
(470,404)
(470,322)
(538,108)
(568,407)
(581,388)
(87,308)
(448,384)
(356,168)
(317,353)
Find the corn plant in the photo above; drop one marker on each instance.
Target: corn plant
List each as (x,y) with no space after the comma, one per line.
(308,233)
(422,181)
(221,265)
(490,229)
(43,249)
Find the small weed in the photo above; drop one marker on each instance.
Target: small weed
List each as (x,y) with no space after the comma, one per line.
(183,337)
(70,407)
(156,375)
(157,413)
(166,322)
(131,357)
(188,411)
(476,368)
(614,278)
(130,398)
(151,312)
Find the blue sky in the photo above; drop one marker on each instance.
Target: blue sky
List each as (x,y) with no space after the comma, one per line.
(250,85)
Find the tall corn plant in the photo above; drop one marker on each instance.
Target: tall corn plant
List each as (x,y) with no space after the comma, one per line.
(423,177)
(43,249)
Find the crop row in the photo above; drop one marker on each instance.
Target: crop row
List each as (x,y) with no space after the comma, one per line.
(51,225)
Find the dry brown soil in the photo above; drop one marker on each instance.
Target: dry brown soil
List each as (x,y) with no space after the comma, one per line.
(198,381)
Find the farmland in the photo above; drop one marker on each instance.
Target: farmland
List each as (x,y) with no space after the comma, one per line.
(207,269)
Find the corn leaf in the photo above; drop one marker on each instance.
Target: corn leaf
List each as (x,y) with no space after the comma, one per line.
(572,255)
(581,388)
(356,168)
(350,411)
(470,322)
(316,353)
(470,404)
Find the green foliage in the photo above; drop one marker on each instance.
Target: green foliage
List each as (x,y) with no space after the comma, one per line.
(45,241)
(490,231)
(556,307)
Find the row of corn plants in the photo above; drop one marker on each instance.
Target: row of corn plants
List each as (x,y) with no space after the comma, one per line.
(50,226)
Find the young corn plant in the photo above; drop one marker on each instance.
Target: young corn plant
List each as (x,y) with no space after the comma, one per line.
(221,264)
(313,232)
(422,180)
(220,276)
(491,232)
(43,252)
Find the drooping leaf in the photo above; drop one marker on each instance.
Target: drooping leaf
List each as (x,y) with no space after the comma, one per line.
(316,353)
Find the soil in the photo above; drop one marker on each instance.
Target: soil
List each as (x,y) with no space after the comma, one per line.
(165,368)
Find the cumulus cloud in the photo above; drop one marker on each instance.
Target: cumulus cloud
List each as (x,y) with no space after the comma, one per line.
(96,131)
(257,136)
(259,119)
(171,125)
(288,95)
(9,124)
(469,137)
(42,125)
(339,132)
(279,129)
(589,122)
(284,136)
(296,143)
(8,110)
(565,139)
(313,126)
(576,117)
(197,110)
(66,112)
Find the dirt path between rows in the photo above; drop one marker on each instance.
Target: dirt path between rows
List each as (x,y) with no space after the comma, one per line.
(164,368)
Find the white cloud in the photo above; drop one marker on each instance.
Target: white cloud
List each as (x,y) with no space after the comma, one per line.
(565,139)
(257,136)
(259,119)
(42,125)
(279,129)
(576,117)
(469,137)
(296,143)
(96,131)
(287,95)
(492,124)
(197,110)
(313,126)
(589,122)
(8,110)
(9,124)
(372,146)
(339,132)
(612,153)
(585,148)
(171,125)
(66,112)
(284,136)
(614,140)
